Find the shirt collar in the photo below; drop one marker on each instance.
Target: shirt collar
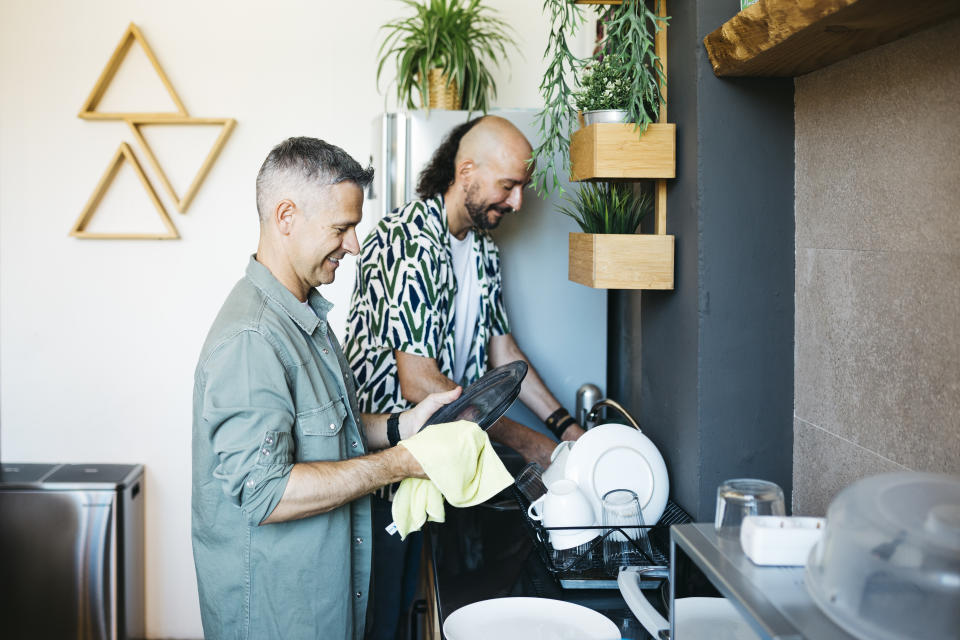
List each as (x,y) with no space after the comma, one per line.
(265,281)
(442,224)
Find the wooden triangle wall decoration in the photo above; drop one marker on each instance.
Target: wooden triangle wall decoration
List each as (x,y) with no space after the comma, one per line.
(183,202)
(124,154)
(132,34)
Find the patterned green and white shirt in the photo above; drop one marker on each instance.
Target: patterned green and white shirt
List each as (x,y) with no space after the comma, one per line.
(403,299)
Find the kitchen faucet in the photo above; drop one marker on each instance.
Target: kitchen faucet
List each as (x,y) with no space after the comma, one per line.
(613,404)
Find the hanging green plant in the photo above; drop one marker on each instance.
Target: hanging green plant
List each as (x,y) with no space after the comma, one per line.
(461,37)
(627,52)
(631,38)
(556,120)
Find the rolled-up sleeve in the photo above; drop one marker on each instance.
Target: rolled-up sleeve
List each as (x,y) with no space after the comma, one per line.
(248,415)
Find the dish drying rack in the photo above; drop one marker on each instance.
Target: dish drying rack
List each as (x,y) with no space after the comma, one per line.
(583,568)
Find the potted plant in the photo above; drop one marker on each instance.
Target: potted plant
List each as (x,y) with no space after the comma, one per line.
(442,54)
(603,93)
(611,253)
(608,207)
(627,56)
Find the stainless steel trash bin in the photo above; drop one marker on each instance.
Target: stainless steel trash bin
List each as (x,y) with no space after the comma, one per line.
(71,551)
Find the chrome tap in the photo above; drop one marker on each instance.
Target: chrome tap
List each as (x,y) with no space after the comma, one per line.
(587,396)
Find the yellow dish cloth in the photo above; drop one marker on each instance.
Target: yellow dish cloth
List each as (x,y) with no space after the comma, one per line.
(462,467)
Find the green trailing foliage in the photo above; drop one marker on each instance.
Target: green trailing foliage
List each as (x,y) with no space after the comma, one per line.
(462,37)
(557,118)
(609,207)
(627,58)
(631,33)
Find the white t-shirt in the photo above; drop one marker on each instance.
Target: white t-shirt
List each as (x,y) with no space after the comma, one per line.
(467,301)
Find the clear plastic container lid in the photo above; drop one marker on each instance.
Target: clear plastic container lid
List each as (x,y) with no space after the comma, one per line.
(888,565)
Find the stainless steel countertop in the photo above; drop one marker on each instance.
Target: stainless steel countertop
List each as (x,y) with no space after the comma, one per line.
(773,599)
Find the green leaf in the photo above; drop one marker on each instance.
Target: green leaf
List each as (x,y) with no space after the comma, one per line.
(462,37)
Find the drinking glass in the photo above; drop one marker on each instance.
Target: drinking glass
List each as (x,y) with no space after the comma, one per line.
(743,497)
(622,527)
(530,482)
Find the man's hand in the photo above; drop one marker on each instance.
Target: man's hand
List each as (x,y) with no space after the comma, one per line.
(573,432)
(412,419)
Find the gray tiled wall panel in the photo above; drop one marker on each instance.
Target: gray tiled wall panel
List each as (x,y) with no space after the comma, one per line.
(878,148)
(878,352)
(827,464)
(877,361)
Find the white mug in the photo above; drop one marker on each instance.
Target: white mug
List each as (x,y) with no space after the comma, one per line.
(564,505)
(558,462)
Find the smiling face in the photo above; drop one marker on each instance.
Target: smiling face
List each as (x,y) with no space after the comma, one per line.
(324,231)
(494,185)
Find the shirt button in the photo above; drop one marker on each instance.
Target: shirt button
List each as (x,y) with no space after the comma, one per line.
(358,594)
(332,426)
(354,444)
(265,452)
(326,351)
(269,440)
(359,540)
(251,483)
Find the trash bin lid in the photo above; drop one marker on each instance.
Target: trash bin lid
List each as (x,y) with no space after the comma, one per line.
(118,475)
(17,473)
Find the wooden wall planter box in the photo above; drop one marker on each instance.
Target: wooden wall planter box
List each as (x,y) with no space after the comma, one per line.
(615,261)
(616,150)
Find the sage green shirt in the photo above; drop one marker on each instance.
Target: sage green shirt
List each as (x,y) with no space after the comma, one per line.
(272,389)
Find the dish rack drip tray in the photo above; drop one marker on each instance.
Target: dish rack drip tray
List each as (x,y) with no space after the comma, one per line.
(583,567)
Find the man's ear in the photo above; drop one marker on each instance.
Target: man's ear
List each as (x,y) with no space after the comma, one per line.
(465,170)
(283,215)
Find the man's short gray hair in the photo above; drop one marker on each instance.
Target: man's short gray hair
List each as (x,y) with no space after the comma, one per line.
(310,161)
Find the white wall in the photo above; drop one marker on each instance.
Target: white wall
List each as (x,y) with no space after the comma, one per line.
(99,339)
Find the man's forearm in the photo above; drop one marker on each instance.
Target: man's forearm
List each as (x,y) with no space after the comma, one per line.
(318,487)
(375,428)
(532,445)
(533,391)
(419,377)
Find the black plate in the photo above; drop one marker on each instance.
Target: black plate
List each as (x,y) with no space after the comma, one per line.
(486,399)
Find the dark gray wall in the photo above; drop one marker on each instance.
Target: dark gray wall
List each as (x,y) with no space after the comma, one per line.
(715,389)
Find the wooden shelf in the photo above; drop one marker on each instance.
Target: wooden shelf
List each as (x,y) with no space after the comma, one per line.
(789,38)
(621,261)
(616,151)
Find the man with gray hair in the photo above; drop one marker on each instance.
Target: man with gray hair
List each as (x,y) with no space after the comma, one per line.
(281,465)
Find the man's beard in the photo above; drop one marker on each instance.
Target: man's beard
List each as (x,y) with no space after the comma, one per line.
(477,209)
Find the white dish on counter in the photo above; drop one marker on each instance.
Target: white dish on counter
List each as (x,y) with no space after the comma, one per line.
(696,618)
(780,540)
(528,619)
(615,456)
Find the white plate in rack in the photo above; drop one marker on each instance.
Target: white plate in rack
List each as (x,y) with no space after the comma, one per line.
(528,619)
(615,456)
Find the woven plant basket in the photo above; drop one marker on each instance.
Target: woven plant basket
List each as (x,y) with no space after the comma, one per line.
(441,95)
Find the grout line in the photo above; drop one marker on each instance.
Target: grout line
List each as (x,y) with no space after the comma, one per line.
(948,252)
(871,451)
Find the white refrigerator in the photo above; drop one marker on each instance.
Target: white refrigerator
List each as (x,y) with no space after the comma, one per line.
(560,325)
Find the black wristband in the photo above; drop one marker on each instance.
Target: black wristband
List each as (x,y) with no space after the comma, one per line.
(558,421)
(393,429)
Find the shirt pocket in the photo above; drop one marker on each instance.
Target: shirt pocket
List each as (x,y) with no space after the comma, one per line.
(319,430)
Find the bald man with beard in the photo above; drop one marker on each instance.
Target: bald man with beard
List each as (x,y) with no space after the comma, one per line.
(427,314)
